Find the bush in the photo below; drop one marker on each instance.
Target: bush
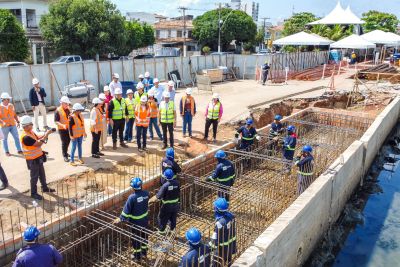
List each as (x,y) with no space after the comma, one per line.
(206,49)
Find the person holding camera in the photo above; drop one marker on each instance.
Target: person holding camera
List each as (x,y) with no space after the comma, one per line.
(34,155)
(76,132)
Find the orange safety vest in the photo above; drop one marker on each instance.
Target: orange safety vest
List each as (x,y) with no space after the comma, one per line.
(63,118)
(153,109)
(99,122)
(142,116)
(31,152)
(78,129)
(184,104)
(7,114)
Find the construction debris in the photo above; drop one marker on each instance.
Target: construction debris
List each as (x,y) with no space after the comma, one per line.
(378,72)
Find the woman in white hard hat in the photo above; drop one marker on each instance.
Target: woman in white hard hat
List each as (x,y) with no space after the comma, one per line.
(8,122)
(77,132)
(115,83)
(142,115)
(213,115)
(153,105)
(130,105)
(103,139)
(61,119)
(107,101)
(96,127)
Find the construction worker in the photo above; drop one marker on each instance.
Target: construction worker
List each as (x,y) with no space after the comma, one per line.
(130,105)
(167,119)
(77,132)
(141,78)
(305,163)
(96,127)
(213,114)
(153,105)
(9,122)
(35,254)
(142,114)
(169,163)
(265,70)
(148,81)
(118,115)
(108,99)
(199,254)
(61,119)
(136,212)
(114,84)
(223,240)
(224,174)
(158,90)
(139,93)
(187,108)
(104,132)
(353,57)
(248,133)
(289,145)
(31,146)
(276,127)
(37,95)
(171,90)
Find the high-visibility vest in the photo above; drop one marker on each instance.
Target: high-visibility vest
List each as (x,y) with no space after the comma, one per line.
(78,129)
(63,118)
(98,126)
(130,105)
(167,115)
(31,152)
(137,97)
(7,114)
(153,109)
(213,110)
(119,109)
(142,116)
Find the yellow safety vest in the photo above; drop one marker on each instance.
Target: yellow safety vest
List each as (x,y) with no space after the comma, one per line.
(167,115)
(130,105)
(119,109)
(213,111)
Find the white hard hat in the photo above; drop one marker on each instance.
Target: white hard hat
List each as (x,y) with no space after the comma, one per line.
(118,91)
(189,91)
(96,100)
(65,99)
(166,94)
(147,74)
(26,120)
(141,76)
(116,75)
(140,86)
(215,95)
(156,80)
(151,93)
(106,88)
(143,98)
(5,96)
(171,83)
(78,107)
(129,91)
(102,96)
(35,81)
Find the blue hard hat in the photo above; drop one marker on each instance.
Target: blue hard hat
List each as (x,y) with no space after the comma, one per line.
(170,153)
(220,154)
(278,117)
(221,204)
(136,183)
(307,148)
(169,174)
(249,121)
(291,128)
(193,235)
(31,233)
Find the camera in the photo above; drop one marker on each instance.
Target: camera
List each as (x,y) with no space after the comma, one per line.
(53,130)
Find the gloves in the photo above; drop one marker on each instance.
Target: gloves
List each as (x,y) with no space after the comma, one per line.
(236,140)
(258,138)
(209,179)
(236,135)
(297,158)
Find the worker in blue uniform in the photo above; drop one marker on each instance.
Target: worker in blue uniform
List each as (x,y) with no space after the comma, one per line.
(249,133)
(136,212)
(35,254)
(224,174)
(289,145)
(199,254)
(274,132)
(169,163)
(223,240)
(305,164)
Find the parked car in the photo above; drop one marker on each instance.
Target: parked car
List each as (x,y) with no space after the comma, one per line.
(67,59)
(143,56)
(12,64)
(80,92)
(125,58)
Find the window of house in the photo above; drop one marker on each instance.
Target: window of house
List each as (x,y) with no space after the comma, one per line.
(179,34)
(189,33)
(157,33)
(169,33)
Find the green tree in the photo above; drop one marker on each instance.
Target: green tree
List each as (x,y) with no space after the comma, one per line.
(375,20)
(148,37)
(259,39)
(134,34)
(297,23)
(84,27)
(13,42)
(236,25)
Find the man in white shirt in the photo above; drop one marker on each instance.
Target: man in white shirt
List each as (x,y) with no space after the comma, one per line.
(158,90)
(114,84)
(171,90)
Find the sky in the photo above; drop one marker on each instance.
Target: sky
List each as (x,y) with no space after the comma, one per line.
(276,10)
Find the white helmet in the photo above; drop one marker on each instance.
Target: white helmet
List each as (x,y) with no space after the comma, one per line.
(116,75)
(96,100)
(78,107)
(26,120)
(143,98)
(118,91)
(140,86)
(215,96)
(35,81)
(141,76)
(129,91)
(65,99)
(171,83)
(106,88)
(151,93)
(166,94)
(147,74)
(5,96)
(156,80)
(102,96)
(189,91)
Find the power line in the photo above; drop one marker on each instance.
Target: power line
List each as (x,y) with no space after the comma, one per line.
(183,9)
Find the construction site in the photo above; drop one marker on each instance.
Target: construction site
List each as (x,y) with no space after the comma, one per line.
(343,112)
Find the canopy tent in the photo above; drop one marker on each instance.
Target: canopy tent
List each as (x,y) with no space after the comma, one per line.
(353,42)
(339,16)
(381,37)
(302,38)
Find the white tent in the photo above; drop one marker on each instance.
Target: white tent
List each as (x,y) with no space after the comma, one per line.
(339,16)
(353,42)
(381,37)
(302,38)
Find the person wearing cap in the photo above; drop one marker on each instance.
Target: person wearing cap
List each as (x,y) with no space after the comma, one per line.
(34,155)
(114,84)
(142,114)
(118,115)
(169,162)
(265,70)
(103,109)
(61,119)
(106,104)
(35,254)
(141,78)
(9,121)
(213,115)
(130,105)
(199,254)
(96,126)
(76,132)
(148,81)
(171,90)
(153,106)
(167,119)
(249,133)
(305,172)
(139,93)
(187,109)
(37,95)
(158,90)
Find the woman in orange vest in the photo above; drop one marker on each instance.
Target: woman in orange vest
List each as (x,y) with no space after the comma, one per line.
(153,105)
(76,132)
(8,121)
(61,118)
(142,115)
(96,127)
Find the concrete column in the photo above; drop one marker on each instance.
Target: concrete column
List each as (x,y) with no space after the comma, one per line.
(42,53)
(34,59)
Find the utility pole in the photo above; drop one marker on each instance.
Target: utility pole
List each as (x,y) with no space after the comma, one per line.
(263,42)
(219,27)
(184,29)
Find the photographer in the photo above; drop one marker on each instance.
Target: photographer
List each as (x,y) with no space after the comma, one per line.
(34,155)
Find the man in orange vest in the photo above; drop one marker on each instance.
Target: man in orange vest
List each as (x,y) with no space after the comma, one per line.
(142,115)
(8,121)
(153,105)
(96,127)
(32,148)
(61,118)
(76,132)
(187,109)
